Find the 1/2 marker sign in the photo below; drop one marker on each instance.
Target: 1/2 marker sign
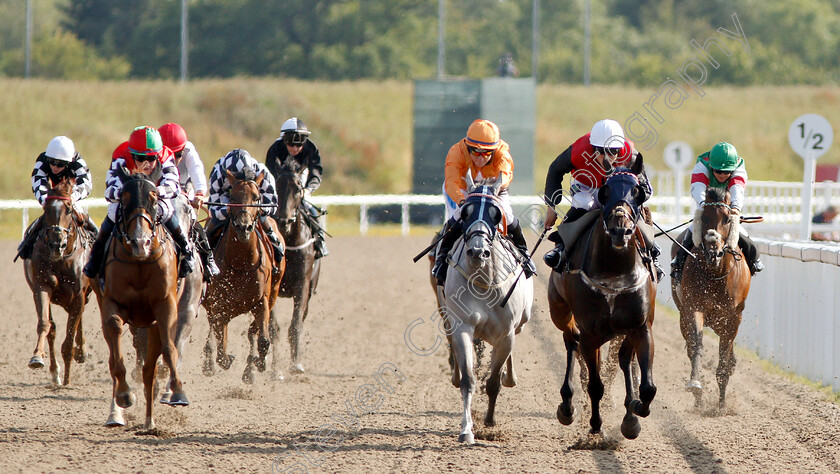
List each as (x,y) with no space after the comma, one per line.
(810,136)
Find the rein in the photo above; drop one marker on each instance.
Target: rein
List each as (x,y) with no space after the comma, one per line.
(74,228)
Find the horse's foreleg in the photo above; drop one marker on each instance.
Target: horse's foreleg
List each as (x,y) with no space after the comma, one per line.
(463,349)
(262,315)
(74,320)
(166,318)
(691,325)
(301,300)
(499,355)
(644,353)
(566,411)
(209,367)
(274,336)
(630,426)
(55,369)
(79,352)
(112,330)
(726,366)
(42,310)
(253,358)
(153,351)
(595,387)
(140,341)
(220,330)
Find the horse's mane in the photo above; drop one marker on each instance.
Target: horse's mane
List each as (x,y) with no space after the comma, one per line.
(715,194)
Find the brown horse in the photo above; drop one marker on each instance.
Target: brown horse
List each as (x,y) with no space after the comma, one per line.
(246,283)
(302,268)
(713,289)
(54,273)
(610,292)
(140,287)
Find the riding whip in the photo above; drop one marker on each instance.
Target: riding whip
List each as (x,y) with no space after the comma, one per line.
(522,269)
(430,247)
(673,239)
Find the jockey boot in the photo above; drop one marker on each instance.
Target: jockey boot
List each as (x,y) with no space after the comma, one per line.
(679,261)
(29,239)
(515,233)
(556,257)
(205,252)
(97,252)
(320,245)
(184,248)
(451,231)
(751,253)
(213,231)
(276,243)
(655,252)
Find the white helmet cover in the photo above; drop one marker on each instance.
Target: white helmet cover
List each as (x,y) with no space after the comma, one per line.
(295,125)
(607,134)
(61,148)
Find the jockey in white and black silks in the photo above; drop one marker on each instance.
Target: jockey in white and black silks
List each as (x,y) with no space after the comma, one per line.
(193,183)
(144,152)
(484,155)
(295,143)
(721,168)
(591,159)
(59,161)
(239,162)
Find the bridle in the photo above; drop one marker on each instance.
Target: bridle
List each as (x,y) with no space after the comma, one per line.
(64,232)
(148,215)
(709,255)
(286,171)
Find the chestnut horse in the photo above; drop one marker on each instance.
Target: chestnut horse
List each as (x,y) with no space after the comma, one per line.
(713,289)
(140,287)
(54,273)
(246,283)
(608,292)
(302,268)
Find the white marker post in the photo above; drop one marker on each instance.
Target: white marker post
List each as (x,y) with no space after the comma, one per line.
(678,156)
(810,136)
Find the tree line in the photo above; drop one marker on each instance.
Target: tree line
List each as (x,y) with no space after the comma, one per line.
(632,41)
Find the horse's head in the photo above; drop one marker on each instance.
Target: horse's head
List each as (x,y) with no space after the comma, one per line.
(138,207)
(289,187)
(621,198)
(59,225)
(244,195)
(480,214)
(715,230)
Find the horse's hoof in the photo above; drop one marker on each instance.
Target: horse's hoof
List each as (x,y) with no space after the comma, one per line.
(259,364)
(489,423)
(508,381)
(297,369)
(466,438)
(150,424)
(278,377)
(248,377)
(630,427)
(165,396)
(79,356)
(226,362)
(208,368)
(36,362)
(694,386)
(177,400)
(563,417)
(115,420)
(637,407)
(55,377)
(125,400)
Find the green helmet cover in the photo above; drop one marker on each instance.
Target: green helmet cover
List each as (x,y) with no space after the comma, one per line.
(724,157)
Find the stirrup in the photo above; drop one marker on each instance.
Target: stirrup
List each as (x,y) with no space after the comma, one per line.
(439,272)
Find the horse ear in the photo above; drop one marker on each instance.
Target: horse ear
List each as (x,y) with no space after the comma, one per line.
(470,182)
(638,165)
(231,178)
(259,179)
(497,187)
(603,194)
(123,172)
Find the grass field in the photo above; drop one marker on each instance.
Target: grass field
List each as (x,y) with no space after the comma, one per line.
(364,129)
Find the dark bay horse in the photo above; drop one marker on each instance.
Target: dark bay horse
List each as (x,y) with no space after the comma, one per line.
(609,293)
(482,269)
(302,268)
(54,273)
(713,289)
(140,287)
(246,283)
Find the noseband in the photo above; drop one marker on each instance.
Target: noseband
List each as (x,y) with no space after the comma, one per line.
(64,232)
(286,171)
(148,215)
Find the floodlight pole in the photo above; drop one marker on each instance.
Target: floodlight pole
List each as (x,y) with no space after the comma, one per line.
(441,23)
(184,41)
(28,40)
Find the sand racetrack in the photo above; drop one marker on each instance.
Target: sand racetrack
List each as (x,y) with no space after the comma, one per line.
(370,292)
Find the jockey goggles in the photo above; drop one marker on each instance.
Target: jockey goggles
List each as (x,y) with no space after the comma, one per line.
(142,158)
(56,163)
(721,172)
(607,151)
(480,152)
(294,138)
